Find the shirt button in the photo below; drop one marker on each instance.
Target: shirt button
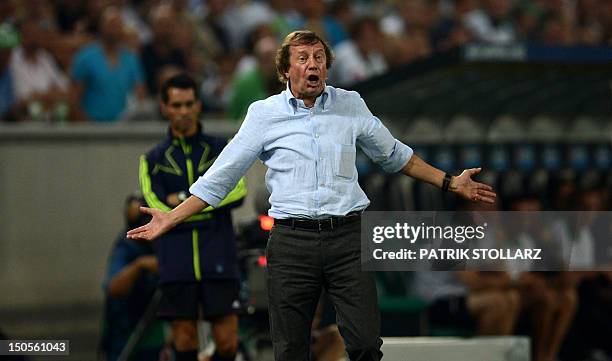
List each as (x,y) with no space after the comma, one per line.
(322,209)
(316,135)
(321,158)
(322,184)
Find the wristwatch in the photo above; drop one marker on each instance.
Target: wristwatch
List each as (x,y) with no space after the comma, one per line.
(446,182)
(182,196)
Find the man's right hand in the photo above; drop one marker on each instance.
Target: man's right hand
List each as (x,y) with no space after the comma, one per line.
(160,223)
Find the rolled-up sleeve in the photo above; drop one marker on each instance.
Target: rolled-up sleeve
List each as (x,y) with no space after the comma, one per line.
(379,144)
(233,162)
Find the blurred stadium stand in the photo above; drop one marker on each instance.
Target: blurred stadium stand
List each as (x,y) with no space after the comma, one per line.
(507,109)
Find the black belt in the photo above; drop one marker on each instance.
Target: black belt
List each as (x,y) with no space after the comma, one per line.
(323,224)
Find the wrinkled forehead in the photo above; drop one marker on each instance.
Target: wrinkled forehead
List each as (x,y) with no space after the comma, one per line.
(307,48)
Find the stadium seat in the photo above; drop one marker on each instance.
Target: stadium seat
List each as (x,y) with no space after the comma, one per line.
(585,129)
(422,130)
(550,156)
(498,157)
(578,156)
(524,157)
(505,128)
(545,128)
(463,128)
(602,156)
(608,129)
(470,156)
(489,177)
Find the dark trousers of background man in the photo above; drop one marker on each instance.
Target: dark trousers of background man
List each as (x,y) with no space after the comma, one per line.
(300,262)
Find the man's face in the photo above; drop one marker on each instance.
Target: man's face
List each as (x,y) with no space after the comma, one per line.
(369,39)
(265,52)
(182,110)
(307,71)
(30,36)
(111,25)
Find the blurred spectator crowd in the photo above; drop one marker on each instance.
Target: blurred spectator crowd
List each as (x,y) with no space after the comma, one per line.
(103,60)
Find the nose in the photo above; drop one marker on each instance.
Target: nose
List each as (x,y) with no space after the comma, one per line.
(312,64)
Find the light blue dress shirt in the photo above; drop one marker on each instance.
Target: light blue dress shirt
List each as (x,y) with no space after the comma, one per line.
(309,152)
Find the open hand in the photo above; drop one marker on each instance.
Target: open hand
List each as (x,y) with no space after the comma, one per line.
(467,188)
(160,223)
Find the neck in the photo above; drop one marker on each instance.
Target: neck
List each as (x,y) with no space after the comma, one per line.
(309,101)
(29,53)
(110,46)
(179,133)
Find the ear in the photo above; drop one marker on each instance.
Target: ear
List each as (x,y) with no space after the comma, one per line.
(162,107)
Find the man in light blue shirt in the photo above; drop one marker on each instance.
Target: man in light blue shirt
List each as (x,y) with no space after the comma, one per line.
(307,137)
(309,153)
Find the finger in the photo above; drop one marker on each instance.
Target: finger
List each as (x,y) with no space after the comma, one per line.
(474,171)
(143,236)
(134,236)
(138,230)
(484,186)
(487,194)
(146,210)
(486,199)
(477,197)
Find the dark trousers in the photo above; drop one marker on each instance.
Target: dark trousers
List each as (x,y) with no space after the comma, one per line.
(300,263)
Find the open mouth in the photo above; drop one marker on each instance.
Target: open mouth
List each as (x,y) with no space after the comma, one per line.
(312,79)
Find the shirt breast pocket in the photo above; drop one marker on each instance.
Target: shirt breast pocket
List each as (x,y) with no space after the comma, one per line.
(344,161)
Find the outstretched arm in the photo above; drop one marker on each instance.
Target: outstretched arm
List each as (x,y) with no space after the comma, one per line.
(463,184)
(233,162)
(161,221)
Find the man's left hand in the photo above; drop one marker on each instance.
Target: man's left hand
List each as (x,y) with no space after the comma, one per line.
(467,188)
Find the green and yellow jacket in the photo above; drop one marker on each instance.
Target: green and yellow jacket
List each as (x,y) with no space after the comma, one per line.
(204,245)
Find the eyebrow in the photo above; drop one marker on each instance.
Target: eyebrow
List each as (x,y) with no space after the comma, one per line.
(177,103)
(304,52)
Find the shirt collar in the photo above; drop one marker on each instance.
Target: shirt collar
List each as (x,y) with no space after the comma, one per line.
(320,102)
